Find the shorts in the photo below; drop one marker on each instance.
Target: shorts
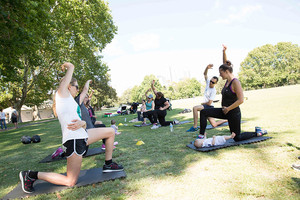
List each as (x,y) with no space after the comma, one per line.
(207,106)
(14,119)
(78,146)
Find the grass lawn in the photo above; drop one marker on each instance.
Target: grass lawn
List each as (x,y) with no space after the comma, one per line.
(164,168)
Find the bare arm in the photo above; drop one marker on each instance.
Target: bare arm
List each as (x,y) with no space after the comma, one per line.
(224,54)
(237,88)
(90,96)
(64,84)
(84,91)
(153,88)
(213,141)
(208,103)
(166,106)
(146,93)
(210,66)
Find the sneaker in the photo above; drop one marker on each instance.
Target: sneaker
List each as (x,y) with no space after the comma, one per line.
(296,167)
(113,167)
(175,121)
(118,133)
(144,124)
(200,136)
(154,126)
(58,152)
(27,183)
(192,129)
(116,143)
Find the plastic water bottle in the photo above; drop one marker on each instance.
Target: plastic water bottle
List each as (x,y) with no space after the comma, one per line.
(125,119)
(171,127)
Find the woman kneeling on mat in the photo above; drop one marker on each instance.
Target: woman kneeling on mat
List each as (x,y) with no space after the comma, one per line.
(74,136)
(232,97)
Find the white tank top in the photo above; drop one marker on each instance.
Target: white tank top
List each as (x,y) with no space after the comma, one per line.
(66,109)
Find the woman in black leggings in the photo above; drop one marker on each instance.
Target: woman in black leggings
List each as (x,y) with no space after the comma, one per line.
(232,97)
(160,109)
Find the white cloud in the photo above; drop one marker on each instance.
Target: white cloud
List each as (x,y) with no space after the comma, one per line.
(239,15)
(142,42)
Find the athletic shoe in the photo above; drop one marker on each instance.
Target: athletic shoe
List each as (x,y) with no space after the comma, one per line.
(154,126)
(200,136)
(192,129)
(58,152)
(117,133)
(116,143)
(296,167)
(144,124)
(113,167)
(27,183)
(175,121)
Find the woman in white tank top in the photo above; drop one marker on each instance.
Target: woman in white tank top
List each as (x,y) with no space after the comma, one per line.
(73,130)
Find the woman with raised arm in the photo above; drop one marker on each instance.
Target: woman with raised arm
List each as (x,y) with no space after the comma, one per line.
(160,105)
(149,104)
(75,138)
(232,97)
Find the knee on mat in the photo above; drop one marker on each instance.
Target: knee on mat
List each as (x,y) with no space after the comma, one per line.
(237,137)
(71,183)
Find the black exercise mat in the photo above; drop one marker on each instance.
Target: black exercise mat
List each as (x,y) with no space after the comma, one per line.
(229,143)
(86,177)
(209,126)
(91,152)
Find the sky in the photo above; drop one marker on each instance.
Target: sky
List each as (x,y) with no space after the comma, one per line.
(176,39)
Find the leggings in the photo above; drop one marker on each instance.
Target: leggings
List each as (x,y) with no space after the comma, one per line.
(234,121)
(160,115)
(149,115)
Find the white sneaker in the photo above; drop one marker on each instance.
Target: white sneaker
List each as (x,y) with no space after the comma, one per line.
(154,126)
(175,121)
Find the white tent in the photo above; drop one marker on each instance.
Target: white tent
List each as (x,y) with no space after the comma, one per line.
(26,113)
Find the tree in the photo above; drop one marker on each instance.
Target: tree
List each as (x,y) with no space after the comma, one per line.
(271,66)
(188,88)
(38,36)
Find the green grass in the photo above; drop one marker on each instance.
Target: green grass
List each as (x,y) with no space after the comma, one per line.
(164,168)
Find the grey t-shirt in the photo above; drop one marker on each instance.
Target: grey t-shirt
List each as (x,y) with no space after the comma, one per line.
(85,114)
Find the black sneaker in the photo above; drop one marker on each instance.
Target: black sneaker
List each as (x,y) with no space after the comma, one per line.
(113,167)
(27,183)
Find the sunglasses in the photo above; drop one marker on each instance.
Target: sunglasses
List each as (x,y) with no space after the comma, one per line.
(213,82)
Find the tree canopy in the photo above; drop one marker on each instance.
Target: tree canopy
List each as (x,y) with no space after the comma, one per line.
(271,66)
(36,37)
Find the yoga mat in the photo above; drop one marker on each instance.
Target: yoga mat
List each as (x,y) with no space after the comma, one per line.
(91,152)
(86,177)
(229,143)
(140,125)
(183,122)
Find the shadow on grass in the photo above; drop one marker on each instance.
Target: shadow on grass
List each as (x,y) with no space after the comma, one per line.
(292,145)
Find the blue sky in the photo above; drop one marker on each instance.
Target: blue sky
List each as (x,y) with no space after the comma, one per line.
(164,37)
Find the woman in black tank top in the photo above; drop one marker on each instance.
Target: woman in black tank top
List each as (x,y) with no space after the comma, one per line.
(232,97)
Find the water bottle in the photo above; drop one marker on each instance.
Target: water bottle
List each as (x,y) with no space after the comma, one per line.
(125,119)
(171,127)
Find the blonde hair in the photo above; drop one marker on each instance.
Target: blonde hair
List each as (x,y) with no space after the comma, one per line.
(73,80)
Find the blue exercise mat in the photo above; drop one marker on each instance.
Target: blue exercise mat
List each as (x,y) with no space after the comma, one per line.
(229,143)
(86,177)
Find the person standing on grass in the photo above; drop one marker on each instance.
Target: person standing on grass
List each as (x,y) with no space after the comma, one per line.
(208,98)
(2,119)
(232,97)
(160,105)
(74,137)
(14,117)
